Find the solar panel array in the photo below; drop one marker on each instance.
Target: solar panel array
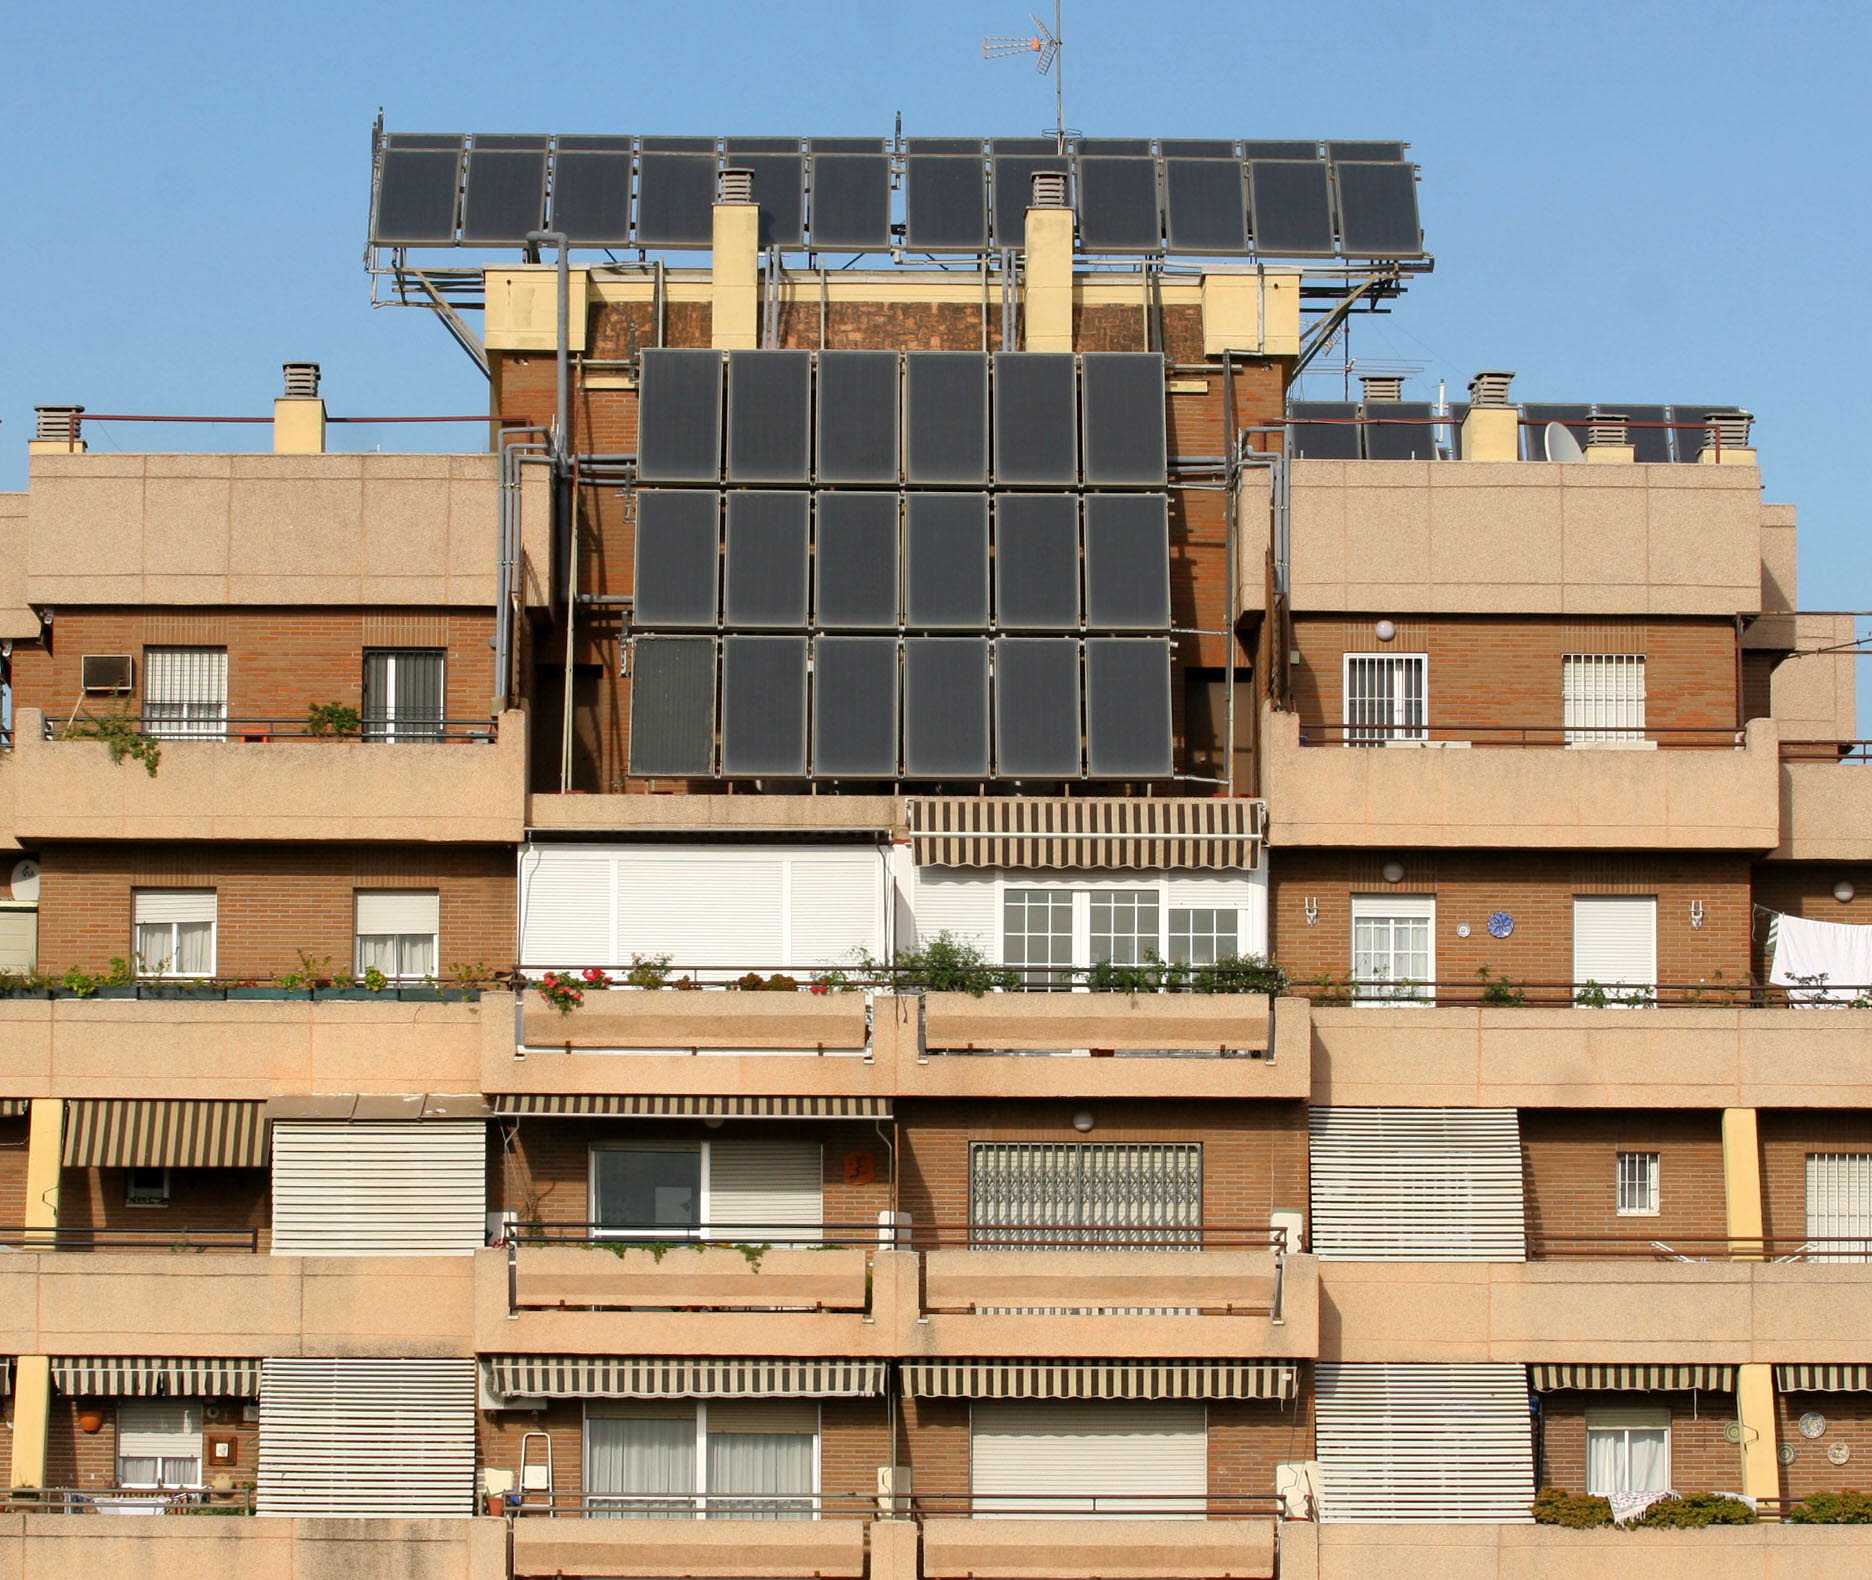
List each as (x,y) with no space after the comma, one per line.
(887,566)
(1190,197)
(1409,430)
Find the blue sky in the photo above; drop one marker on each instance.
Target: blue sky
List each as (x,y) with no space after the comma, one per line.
(1619,196)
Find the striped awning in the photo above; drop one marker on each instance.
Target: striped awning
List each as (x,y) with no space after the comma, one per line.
(1085,831)
(1823,1379)
(996,1379)
(157,1376)
(1643,1379)
(681,1377)
(15,1107)
(691,1107)
(120,1133)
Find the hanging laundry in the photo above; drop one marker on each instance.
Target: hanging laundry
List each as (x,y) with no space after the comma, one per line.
(1822,962)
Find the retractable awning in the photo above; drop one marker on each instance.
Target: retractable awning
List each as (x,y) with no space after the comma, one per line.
(680,1377)
(121,1133)
(589,1105)
(1645,1379)
(1823,1379)
(156,1376)
(999,1379)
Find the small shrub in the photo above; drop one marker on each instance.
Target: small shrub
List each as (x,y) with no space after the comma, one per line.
(945,964)
(1499,990)
(1240,974)
(561,992)
(332,718)
(1577,1511)
(122,736)
(1108,976)
(80,983)
(1326,989)
(1832,1508)
(374,980)
(780,982)
(646,971)
(1692,1511)
(1590,995)
(750,982)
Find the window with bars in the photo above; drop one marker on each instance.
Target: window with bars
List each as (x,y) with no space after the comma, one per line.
(1393,948)
(1839,1206)
(1386,698)
(173,932)
(1603,696)
(404,694)
(1639,1195)
(185,692)
(1080,1192)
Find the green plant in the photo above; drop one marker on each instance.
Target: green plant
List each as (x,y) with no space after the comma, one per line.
(1577,1511)
(1240,974)
(1832,1508)
(1692,1511)
(374,980)
(1499,990)
(312,973)
(1590,995)
(1326,989)
(122,735)
(80,983)
(332,718)
(470,977)
(753,1253)
(944,964)
(647,971)
(1108,976)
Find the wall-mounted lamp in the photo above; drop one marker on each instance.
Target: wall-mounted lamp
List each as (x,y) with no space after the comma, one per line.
(1082,1121)
(1385,630)
(1392,872)
(1312,911)
(1843,892)
(713,1122)
(1696,913)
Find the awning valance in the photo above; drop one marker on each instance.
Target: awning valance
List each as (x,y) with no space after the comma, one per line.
(1823,1379)
(15,1107)
(121,1133)
(1641,1379)
(1000,1379)
(590,1105)
(1085,831)
(681,1377)
(157,1376)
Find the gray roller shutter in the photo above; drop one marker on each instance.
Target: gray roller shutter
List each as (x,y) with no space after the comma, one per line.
(411,1189)
(1069,1458)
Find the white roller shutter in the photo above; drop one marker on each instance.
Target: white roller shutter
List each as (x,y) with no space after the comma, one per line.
(399,911)
(172,905)
(961,901)
(566,910)
(1615,939)
(417,1189)
(1423,1443)
(1839,1204)
(758,1190)
(1066,1459)
(19,938)
(367,1438)
(1417,1185)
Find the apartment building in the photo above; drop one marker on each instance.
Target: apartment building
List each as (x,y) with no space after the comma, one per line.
(687,993)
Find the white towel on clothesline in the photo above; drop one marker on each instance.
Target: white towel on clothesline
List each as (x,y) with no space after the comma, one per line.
(1821,962)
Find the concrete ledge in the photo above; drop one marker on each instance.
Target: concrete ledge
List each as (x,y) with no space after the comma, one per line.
(1223,1280)
(701,1549)
(1192,1022)
(712,1018)
(1114,1549)
(1826,809)
(690,1275)
(787,814)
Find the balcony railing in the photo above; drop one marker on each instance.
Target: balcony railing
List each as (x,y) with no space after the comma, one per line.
(128,1500)
(920,1506)
(1237,975)
(1826,751)
(113,1238)
(1639,737)
(901,1236)
(1700,1248)
(691,1506)
(251,731)
(1507,993)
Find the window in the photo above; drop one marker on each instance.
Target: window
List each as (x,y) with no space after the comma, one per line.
(185,692)
(1038,928)
(1615,950)
(159,1443)
(1638,1192)
(403,694)
(1839,1206)
(1393,948)
(1386,698)
(1603,696)
(758,1192)
(173,932)
(146,1188)
(739,1459)
(397,931)
(1200,937)
(1079,928)
(1125,926)
(1041,1192)
(1627,1450)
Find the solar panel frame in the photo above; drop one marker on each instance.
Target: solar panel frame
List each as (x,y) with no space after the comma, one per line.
(418,194)
(764,707)
(1036,418)
(1036,562)
(1290,207)
(857,582)
(849,208)
(1128,708)
(677,145)
(675,198)
(1279,150)
(1196,148)
(679,415)
(945,203)
(591,191)
(779,190)
(845,145)
(1406,431)
(945,709)
(1648,443)
(1037,682)
(1115,147)
(769,416)
(946,562)
(1013,191)
(1205,206)
(1120,207)
(1127,562)
(504,195)
(765,584)
(1121,404)
(858,430)
(434,140)
(914,146)
(1022,145)
(1377,206)
(676,565)
(1322,441)
(763,145)
(946,417)
(857,683)
(672,707)
(1365,153)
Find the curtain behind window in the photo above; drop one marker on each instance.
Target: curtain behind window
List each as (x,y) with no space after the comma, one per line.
(765,1464)
(640,1459)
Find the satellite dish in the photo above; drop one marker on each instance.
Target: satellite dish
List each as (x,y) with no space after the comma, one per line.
(1561,445)
(26,881)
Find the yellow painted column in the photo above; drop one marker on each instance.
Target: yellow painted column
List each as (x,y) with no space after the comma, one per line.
(1492,433)
(1049,293)
(734,314)
(299,426)
(32,1406)
(1742,1184)
(45,1145)
(1755,1409)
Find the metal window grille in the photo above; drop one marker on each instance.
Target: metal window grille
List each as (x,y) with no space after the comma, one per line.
(1839,1205)
(1125,926)
(1022,1192)
(1638,1182)
(403,694)
(1200,937)
(1038,924)
(1603,695)
(185,692)
(1386,697)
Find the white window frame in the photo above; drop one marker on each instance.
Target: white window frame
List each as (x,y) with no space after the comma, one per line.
(699,1497)
(1410,992)
(198,715)
(162,967)
(1622,1421)
(1622,994)
(358,935)
(1848,1178)
(385,726)
(1602,697)
(158,1197)
(1400,726)
(705,1202)
(1081,895)
(1639,1184)
(138,1407)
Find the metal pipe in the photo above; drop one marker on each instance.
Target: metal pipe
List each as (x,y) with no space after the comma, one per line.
(562,373)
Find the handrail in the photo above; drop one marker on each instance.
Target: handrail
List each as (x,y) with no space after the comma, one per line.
(1826,751)
(727,1235)
(85,1500)
(1701,1247)
(256,730)
(1547,734)
(836,1505)
(111,1236)
(49,984)
(984,977)
(1506,993)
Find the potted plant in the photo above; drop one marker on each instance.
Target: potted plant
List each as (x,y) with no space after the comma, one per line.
(333,718)
(251,989)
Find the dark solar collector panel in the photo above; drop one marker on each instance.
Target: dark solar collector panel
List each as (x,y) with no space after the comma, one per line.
(1122,411)
(855,560)
(945,203)
(769,416)
(1118,205)
(1036,562)
(672,707)
(857,417)
(946,708)
(779,187)
(677,558)
(1196,148)
(946,416)
(1013,190)
(675,198)
(1292,208)
(1115,147)
(1206,206)
(1036,708)
(1127,562)
(1650,441)
(850,202)
(1405,431)
(764,705)
(1280,150)
(591,190)
(677,145)
(1036,418)
(946,561)
(1323,441)
(1365,152)
(416,191)
(506,189)
(679,416)
(765,582)
(855,690)
(1378,210)
(1128,708)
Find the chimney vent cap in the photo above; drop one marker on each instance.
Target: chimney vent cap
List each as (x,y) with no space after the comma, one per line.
(59,424)
(1490,388)
(302,380)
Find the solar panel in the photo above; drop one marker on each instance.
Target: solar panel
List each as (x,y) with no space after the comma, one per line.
(417,179)
(677,145)
(1404,432)
(764,705)
(1128,708)
(1036,418)
(676,557)
(1127,562)
(946,415)
(945,202)
(766,560)
(1534,420)
(846,145)
(850,202)
(1122,407)
(857,434)
(1117,147)
(1196,148)
(506,191)
(1323,441)
(1649,443)
(762,145)
(1036,705)
(942,145)
(679,416)
(591,190)
(1206,205)
(1022,145)
(1688,441)
(1368,152)
(946,708)
(946,561)
(769,416)
(779,171)
(1118,205)
(1378,210)
(855,566)
(672,707)
(1280,150)
(1036,562)
(1292,211)
(855,688)
(675,198)
(1013,188)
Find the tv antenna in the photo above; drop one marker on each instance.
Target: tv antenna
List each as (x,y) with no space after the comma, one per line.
(1046,43)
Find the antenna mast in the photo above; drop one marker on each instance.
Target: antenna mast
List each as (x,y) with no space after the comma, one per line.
(1046,43)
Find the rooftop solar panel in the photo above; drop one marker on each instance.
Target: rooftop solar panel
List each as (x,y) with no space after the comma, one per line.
(1401,431)
(1336,440)
(850,202)
(1364,151)
(1280,150)
(855,560)
(672,707)
(1206,205)
(855,690)
(764,705)
(606,144)
(1122,407)
(675,199)
(1291,207)
(946,708)
(679,416)
(1378,210)
(1115,147)
(857,417)
(1023,145)
(1036,418)
(1534,420)
(942,145)
(1036,562)
(1127,562)
(779,190)
(1118,205)
(945,203)
(846,145)
(677,145)
(1128,708)
(1649,439)
(946,416)
(1196,148)
(416,192)
(769,416)
(422,140)
(946,561)
(1013,192)
(591,193)
(765,582)
(1036,706)
(677,558)
(762,145)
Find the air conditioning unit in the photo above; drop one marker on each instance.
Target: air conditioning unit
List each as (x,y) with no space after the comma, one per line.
(107,672)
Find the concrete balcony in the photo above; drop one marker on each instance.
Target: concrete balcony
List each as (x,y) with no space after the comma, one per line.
(1630,1312)
(106,1303)
(1587,1058)
(711,1549)
(299,789)
(232,1049)
(61,1547)
(702,814)
(1098,1549)
(1826,808)
(1531,798)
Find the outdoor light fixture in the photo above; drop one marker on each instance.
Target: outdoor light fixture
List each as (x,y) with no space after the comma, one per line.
(1843,892)
(1384,630)
(1082,1121)
(1392,872)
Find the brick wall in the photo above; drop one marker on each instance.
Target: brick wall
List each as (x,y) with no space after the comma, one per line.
(1701,1460)
(273,900)
(12,1170)
(1787,1137)
(1536,888)
(75,1458)
(199,1199)
(1570,1166)
(1848,1420)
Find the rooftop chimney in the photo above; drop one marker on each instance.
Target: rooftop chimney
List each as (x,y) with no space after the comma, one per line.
(1048,189)
(1726,439)
(299,414)
(1491,431)
(1047,297)
(1608,437)
(57,430)
(1382,386)
(1490,388)
(302,380)
(735,186)
(734,269)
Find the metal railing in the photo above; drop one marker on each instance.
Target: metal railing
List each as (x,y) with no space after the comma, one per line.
(865,1506)
(372,732)
(1506,993)
(1826,751)
(110,1237)
(873,1235)
(137,1500)
(54,985)
(1145,976)
(1700,1248)
(1665,737)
